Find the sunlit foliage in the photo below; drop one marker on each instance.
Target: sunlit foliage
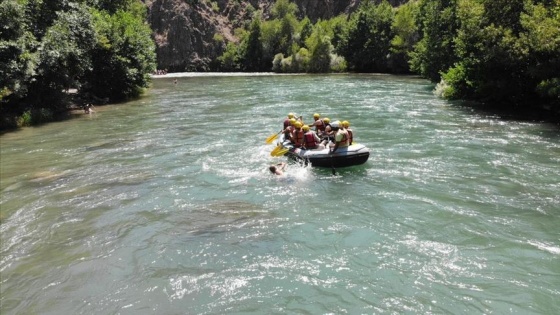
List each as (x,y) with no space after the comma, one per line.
(97,47)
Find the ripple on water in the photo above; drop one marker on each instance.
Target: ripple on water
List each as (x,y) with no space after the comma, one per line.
(165,204)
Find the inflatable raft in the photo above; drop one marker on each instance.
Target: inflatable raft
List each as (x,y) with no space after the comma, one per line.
(355,154)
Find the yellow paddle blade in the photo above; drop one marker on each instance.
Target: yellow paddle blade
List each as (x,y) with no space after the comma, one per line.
(270,139)
(273,152)
(281,152)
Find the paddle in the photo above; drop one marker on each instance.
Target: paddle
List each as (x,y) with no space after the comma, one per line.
(281,152)
(332,165)
(273,137)
(273,152)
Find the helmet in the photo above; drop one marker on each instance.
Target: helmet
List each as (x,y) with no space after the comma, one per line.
(292,121)
(297,124)
(345,124)
(291,115)
(335,124)
(326,120)
(305,128)
(316,115)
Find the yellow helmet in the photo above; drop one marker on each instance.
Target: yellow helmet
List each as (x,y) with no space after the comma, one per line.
(326,120)
(305,128)
(297,124)
(345,124)
(292,121)
(316,115)
(291,115)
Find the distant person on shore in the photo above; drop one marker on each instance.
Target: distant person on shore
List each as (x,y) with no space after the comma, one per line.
(88,109)
(278,169)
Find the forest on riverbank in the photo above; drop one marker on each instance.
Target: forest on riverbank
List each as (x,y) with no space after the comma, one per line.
(100,48)
(501,52)
(504,52)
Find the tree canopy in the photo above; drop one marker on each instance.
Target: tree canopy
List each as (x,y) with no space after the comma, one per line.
(101,48)
(500,51)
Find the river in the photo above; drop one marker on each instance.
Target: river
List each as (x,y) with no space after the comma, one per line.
(164,205)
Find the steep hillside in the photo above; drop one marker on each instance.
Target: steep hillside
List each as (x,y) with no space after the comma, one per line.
(185,30)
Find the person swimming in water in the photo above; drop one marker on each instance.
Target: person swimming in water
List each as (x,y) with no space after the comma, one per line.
(278,169)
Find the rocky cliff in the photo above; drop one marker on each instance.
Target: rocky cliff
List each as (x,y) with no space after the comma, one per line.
(191,34)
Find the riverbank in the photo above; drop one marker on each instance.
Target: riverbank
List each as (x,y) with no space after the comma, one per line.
(71,106)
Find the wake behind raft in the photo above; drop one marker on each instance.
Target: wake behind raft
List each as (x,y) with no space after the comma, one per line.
(355,154)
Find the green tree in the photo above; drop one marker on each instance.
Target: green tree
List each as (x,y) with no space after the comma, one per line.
(435,52)
(124,55)
(270,38)
(229,60)
(42,14)
(320,48)
(252,49)
(502,59)
(17,46)
(283,8)
(541,38)
(64,56)
(406,36)
(367,43)
(306,28)
(339,27)
(112,6)
(504,13)
(288,26)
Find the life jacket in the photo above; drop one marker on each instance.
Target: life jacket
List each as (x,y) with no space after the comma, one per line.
(286,123)
(321,127)
(310,142)
(298,138)
(350,136)
(344,140)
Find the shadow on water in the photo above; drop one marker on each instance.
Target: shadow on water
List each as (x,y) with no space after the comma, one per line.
(518,114)
(221,216)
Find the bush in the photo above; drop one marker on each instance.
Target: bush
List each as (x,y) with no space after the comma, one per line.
(24,120)
(338,63)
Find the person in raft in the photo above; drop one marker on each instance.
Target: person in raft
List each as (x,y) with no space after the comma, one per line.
(349,131)
(297,135)
(287,121)
(289,130)
(310,139)
(318,124)
(278,169)
(340,137)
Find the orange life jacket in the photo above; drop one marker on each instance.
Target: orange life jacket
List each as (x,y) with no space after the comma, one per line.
(310,142)
(298,137)
(320,127)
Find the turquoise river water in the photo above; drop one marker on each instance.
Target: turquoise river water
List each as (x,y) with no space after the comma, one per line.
(164,205)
